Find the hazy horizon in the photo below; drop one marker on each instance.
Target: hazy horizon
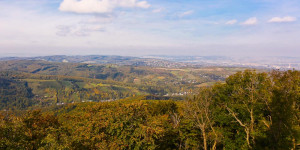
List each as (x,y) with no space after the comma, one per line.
(236,28)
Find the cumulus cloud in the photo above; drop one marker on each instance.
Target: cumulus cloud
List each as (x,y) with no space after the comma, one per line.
(100,6)
(231,22)
(250,21)
(283,19)
(186,13)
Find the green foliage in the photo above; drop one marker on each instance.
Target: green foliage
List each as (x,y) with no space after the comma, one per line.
(151,80)
(15,94)
(29,132)
(285,110)
(249,111)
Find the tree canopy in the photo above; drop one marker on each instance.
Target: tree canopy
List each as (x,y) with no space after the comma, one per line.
(250,110)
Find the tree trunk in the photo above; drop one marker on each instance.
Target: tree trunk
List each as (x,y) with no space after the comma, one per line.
(251,130)
(248,137)
(294,144)
(204,139)
(214,146)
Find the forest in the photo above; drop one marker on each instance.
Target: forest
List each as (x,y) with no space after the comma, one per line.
(249,110)
(149,75)
(53,83)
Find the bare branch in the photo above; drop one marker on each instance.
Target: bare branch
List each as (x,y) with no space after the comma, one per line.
(236,118)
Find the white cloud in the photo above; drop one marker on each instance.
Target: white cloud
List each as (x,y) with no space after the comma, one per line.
(78,30)
(63,30)
(250,21)
(231,22)
(186,13)
(128,33)
(157,10)
(100,6)
(142,4)
(283,19)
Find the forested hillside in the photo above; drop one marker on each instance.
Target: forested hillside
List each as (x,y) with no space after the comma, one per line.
(149,75)
(250,110)
(126,74)
(61,83)
(14,93)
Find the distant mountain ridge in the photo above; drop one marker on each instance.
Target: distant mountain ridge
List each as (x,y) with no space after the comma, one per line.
(284,63)
(103,59)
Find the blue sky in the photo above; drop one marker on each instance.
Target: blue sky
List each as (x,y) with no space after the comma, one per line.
(150,27)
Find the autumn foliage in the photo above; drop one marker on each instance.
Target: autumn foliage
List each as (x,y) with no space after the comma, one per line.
(249,111)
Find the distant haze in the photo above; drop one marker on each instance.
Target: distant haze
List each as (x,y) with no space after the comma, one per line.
(150,27)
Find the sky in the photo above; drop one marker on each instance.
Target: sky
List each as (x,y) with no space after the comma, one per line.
(150,27)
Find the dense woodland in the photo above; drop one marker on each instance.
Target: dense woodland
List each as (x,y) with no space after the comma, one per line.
(15,94)
(54,83)
(250,110)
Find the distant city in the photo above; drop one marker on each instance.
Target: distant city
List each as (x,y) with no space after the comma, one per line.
(281,63)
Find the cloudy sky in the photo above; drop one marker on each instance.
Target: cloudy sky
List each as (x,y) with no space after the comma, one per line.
(150,27)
